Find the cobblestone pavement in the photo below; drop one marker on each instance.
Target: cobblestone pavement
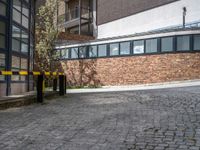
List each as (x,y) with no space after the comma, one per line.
(155,119)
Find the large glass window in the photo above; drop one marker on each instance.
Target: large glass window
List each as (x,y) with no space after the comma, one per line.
(114,49)
(102,50)
(125,48)
(167,44)
(93,51)
(21,13)
(151,46)
(138,47)
(197,42)
(2,9)
(74,53)
(183,43)
(83,52)
(65,53)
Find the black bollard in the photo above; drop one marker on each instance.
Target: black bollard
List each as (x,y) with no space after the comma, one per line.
(55,81)
(61,85)
(40,93)
(65,85)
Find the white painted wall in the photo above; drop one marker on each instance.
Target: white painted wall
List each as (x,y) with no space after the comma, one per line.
(160,17)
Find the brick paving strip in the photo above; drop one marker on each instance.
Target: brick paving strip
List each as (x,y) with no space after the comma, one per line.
(164,119)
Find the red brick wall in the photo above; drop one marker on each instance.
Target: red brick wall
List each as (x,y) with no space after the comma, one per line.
(133,70)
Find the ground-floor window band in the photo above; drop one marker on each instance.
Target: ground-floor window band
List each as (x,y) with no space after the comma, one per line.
(170,44)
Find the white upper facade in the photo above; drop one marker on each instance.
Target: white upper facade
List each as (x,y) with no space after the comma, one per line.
(166,16)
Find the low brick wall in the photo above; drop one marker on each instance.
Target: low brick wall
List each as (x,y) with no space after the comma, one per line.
(133,70)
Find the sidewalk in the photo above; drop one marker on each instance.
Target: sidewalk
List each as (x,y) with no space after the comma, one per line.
(165,85)
(23,99)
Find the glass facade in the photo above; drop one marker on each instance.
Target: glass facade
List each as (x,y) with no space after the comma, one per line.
(17,44)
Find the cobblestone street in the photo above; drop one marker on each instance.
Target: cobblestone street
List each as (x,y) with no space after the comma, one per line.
(154,119)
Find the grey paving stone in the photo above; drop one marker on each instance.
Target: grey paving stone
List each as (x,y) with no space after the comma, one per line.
(167,119)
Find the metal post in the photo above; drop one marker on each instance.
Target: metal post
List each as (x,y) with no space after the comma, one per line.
(55,84)
(65,85)
(80,15)
(61,85)
(184,16)
(40,93)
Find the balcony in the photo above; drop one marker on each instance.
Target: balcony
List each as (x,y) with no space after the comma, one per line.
(74,17)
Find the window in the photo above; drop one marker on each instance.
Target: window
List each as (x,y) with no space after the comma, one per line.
(74,52)
(25,10)
(92,51)
(125,48)
(2,28)
(15,67)
(2,41)
(17,5)
(151,46)
(183,43)
(25,21)
(64,53)
(167,44)
(114,49)
(21,13)
(16,32)
(15,45)
(102,50)
(197,42)
(24,48)
(16,16)
(2,65)
(2,60)
(2,9)
(2,34)
(25,37)
(83,52)
(138,47)
(24,64)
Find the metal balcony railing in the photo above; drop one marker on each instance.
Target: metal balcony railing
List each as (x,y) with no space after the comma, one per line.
(73,14)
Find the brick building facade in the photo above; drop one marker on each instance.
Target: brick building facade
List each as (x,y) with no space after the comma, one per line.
(132,42)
